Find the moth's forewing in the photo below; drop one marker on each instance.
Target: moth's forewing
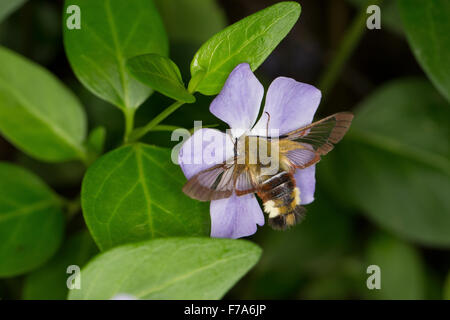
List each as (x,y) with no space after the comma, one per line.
(305,146)
(322,134)
(211,184)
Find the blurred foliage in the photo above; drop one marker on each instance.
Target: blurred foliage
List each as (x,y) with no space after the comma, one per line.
(191,21)
(31,221)
(49,281)
(390,16)
(300,257)
(426,25)
(382,194)
(31,117)
(394,163)
(7,7)
(447,288)
(402,270)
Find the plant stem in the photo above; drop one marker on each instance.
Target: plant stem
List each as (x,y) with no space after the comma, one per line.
(165,127)
(140,132)
(345,50)
(129,122)
(151,126)
(168,127)
(73,207)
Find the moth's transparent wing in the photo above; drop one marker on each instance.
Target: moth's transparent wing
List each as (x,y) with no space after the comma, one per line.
(323,134)
(214,183)
(220,182)
(317,139)
(302,157)
(244,180)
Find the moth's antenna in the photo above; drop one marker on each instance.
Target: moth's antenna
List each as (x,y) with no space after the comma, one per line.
(267,125)
(235,147)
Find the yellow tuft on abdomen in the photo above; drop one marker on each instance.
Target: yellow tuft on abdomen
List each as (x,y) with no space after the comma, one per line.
(296,197)
(271,209)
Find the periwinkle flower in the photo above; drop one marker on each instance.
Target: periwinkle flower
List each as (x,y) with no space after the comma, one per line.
(124,296)
(289,103)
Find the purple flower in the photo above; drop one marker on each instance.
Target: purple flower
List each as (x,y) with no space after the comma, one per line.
(124,296)
(291,105)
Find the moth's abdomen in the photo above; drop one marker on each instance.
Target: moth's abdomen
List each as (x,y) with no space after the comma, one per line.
(277,192)
(284,221)
(281,199)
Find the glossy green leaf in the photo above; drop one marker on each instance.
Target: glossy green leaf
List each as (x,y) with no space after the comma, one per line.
(160,73)
(50,281)
(250,40)
(9,6)
(111,32)
(394,163)
(134,193)
(191,21)
(31,221)
(38,114)
(427,27)
(402,272)
(177,268)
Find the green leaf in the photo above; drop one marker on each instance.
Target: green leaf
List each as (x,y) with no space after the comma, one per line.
(191,21)
(402,269)
(160,73)
(250,40)
(38,114)
(177,268)
(134,193)
(50,281)
(31,221)
(427,28)
(111,32)
(8,7)
(394,163)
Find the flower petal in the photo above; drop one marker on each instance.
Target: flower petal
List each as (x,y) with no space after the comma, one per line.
(240,99)
(235,217)
(204,149)
(306,183)
(124,296)
(291,105)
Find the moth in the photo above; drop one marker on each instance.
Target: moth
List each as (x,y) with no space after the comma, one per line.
(297,149)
